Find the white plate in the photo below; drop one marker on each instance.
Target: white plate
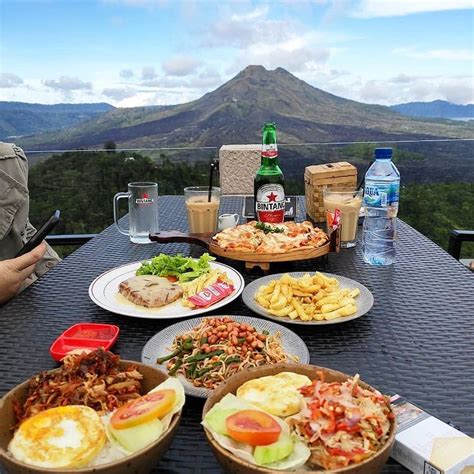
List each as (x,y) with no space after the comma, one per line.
(159,344)
(364,301)
(104,292)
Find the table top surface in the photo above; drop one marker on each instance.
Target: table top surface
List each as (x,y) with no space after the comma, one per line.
(417,340)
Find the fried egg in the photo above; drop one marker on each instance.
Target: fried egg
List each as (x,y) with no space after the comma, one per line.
(62,437)
(275,394)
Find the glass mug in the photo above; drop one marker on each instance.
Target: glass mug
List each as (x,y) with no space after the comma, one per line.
(142,211)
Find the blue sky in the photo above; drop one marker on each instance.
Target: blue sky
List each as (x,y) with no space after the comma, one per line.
(144,52)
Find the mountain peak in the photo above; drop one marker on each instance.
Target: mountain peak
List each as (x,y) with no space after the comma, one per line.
(261,71)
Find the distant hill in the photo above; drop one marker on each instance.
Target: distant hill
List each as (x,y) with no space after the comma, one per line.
(436,109)
(20,118)
(234,113)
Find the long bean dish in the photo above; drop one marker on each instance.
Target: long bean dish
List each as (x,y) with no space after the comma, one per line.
(220,347)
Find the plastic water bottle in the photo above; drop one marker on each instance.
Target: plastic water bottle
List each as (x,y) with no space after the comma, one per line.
(381,195)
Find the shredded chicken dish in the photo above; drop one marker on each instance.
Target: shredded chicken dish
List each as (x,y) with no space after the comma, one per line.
(92,379)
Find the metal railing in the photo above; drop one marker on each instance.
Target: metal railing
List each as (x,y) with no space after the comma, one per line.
(69,239)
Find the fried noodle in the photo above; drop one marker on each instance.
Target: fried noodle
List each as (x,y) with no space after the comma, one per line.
(92,379)
(218,348)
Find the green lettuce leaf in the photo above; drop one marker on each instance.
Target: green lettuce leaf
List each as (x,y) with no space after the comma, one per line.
(183,268)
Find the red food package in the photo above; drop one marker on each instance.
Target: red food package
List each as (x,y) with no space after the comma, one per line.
(333,219)
(211,294)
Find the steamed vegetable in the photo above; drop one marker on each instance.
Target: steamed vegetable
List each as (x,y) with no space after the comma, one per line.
(182,268)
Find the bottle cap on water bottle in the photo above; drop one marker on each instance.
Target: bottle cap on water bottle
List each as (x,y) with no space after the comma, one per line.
(383,153)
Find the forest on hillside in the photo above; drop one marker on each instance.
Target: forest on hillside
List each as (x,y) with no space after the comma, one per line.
(82,185)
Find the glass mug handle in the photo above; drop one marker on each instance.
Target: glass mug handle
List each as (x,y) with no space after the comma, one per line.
(117,197)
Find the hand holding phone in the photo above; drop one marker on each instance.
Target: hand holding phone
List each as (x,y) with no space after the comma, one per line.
(41,234)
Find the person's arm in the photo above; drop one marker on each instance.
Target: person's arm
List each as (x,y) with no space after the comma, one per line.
(15,270)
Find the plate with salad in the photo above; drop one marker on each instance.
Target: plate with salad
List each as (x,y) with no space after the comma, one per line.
(167,287)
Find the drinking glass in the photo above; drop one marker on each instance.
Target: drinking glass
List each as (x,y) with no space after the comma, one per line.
(348,203)
(202,213)
(142,211)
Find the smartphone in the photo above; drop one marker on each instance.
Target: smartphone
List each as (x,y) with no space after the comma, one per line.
(40,235)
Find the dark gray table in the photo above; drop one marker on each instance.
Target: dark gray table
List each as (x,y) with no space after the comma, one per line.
(418,340)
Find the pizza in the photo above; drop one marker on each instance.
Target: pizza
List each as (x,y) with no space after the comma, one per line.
(256,237)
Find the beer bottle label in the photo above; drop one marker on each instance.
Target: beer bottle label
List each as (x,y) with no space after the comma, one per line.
(269,150)
(270,206)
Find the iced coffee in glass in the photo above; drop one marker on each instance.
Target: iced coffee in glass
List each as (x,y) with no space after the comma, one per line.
(343,205)
(202,212)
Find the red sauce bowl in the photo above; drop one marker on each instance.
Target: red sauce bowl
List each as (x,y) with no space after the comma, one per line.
(84,336)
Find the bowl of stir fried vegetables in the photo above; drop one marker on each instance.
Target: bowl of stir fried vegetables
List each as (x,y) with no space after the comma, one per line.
(348,426)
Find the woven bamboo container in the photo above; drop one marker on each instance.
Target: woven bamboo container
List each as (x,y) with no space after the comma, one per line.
(341,175)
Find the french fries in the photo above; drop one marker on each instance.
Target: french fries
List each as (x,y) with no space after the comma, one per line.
(311,297)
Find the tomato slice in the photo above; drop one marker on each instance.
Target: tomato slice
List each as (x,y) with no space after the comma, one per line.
(143,409)
(253,427)
(172,278)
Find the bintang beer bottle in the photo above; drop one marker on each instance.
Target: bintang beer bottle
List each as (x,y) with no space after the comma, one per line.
(269,192)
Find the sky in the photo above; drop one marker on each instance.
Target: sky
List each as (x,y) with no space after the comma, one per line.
(156,52)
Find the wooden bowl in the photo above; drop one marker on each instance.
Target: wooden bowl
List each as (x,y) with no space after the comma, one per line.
(236,465)
(142,461)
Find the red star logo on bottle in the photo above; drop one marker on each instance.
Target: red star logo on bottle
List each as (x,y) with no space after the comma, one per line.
(145,195)
(272,197)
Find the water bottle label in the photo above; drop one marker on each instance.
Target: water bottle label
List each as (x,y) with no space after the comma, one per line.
(381,195)
(394,193)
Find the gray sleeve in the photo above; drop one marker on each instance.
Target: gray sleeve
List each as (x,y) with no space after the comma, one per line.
(13,188)
(13,195)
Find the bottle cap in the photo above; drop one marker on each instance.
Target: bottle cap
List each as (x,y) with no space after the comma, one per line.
(383,153)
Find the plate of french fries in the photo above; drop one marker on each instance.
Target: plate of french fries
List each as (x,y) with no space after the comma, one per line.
(308,298)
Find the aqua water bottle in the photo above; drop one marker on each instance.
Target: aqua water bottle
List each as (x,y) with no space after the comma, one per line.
(381,196)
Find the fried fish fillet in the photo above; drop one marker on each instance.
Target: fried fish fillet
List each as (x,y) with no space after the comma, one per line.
(150,291)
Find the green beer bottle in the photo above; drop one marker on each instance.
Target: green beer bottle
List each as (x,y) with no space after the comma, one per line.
(269,193)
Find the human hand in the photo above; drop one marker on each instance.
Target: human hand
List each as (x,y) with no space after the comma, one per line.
(14,271)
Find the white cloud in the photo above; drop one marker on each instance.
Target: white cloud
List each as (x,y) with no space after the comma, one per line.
(384,8)
(373,92)
(181,66)
(148,73)
(458,91)
(66,83)
(8,80)
(164,82)
(402,79)
(417,89)
(259,39)
(207,79)
(443,54)
(126,73)
(119,93)
(247,29)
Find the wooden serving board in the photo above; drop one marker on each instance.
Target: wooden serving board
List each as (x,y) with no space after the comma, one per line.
(251,260)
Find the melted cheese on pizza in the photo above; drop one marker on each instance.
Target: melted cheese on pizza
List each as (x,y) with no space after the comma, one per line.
(295,236)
